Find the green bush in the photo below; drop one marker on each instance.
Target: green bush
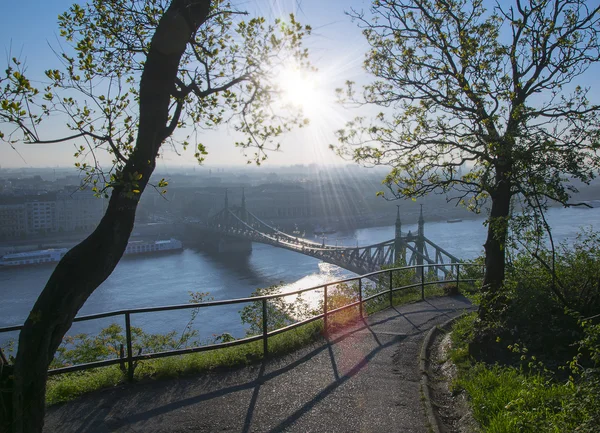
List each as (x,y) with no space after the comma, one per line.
(540,309)
(574,284)
(67,386)
(110,341)
(507,399)
(280,313)
(585,369)
(538,370)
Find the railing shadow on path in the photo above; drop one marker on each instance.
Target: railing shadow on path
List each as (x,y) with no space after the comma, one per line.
(96,415)
(254,399)
(333,386)
(337,382)
(91,414)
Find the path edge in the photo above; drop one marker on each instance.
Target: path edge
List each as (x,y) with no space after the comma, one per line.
(435,424)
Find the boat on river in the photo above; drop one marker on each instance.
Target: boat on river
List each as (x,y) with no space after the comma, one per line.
(145,247)
(38,257)
(53,255)
(324,231)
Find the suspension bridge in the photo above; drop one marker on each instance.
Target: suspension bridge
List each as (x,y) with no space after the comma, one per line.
(234,228)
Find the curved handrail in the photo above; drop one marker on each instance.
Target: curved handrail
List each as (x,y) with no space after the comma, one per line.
(131,359)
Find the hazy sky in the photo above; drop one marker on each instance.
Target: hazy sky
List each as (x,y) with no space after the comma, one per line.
(337,49)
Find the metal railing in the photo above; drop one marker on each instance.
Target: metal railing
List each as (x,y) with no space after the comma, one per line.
(131,360)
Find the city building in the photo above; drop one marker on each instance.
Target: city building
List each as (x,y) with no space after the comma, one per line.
(13,221)
(78,211)
(57,212)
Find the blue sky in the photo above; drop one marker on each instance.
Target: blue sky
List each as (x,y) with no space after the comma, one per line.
(337,49)
(336,45)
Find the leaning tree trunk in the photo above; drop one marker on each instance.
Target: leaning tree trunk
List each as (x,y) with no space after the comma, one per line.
(495,244)
(88,264)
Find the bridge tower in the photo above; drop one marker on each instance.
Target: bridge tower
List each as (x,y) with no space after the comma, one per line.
(243,213)
(420,244)
(226,207)
(231,244)
(399,250)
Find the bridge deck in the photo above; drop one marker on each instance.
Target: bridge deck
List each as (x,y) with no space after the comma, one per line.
(242,224)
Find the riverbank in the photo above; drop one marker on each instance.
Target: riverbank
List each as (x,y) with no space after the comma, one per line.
(155,280)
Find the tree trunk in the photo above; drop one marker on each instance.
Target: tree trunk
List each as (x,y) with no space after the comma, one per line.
(88,264)
(495,244)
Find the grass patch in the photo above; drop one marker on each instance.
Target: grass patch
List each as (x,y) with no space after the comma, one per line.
(67,386)
(462,333)
(507,399)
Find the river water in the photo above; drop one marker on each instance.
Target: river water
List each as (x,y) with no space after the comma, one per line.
(168,279)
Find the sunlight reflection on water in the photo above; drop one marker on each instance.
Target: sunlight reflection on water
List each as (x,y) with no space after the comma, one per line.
(327,273)
(165,280)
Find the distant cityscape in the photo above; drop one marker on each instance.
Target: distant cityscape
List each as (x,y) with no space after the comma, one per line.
(27,212)
(41,203)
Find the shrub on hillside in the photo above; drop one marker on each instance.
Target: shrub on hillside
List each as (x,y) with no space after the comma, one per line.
(280,312)
(544,299)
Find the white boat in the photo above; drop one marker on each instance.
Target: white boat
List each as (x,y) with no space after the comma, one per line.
(143,247)
(54,255)
(33,257)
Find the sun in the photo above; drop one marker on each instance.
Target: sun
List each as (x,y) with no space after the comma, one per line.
(300,89)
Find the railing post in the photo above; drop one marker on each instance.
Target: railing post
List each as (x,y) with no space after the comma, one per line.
(457,275)
(422,282)
(265,329)
(391,290)
(360,304)
(129,348)
(325,309)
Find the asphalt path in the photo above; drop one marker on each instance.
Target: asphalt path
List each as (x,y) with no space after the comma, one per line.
(364,378)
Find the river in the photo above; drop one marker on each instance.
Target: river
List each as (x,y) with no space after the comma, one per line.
(168,279)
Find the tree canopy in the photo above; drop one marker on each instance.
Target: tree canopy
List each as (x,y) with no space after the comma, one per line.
(227,75)
(481,104)
(137,74)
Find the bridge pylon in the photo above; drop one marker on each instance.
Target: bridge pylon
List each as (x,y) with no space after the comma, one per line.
(226,207)
(243,212)
(421,238)
(399,247)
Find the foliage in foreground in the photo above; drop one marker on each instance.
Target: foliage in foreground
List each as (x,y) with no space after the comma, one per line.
(68,386)
(507,399)
(542,310)
(541,371)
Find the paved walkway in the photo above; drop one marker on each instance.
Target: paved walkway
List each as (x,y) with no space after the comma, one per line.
(364,380)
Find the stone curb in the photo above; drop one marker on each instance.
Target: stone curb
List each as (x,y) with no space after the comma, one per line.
(434,422)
